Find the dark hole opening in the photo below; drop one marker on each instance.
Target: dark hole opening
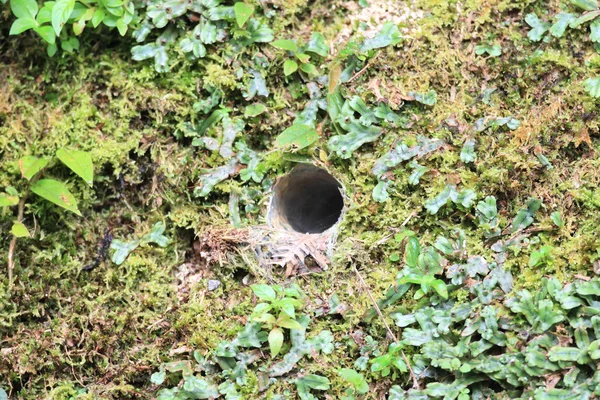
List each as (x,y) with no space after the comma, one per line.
(309,199)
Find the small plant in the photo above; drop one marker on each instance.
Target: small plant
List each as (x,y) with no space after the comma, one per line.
(391,361)
(543,256)
(357,381)
(277,312)
(316,45)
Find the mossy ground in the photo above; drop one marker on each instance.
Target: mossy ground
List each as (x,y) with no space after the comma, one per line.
(107,330)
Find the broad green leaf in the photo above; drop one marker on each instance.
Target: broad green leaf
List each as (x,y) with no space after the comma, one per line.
(467,154)
(19,230)
(558,353)
(60,14)
(317,45)
(297,136)
(200,388)
(587,5)
(24,8)
(494,50)
(412,252)
(358,134)
(253,110)
(158,377)
(57,193)
(7,200)
(433,205)
(79,162)
(562,22)
(583,18)
(21,25)
(285,44)
(31,165)
(440,287)
(287,322)
(357,380)
(144,52)
(380,193)
(557,219)
(311,381)
(242,12)
(524,217)
(389,35)
(309,69)
(122,250)
(595,31)
(275,341)
(52,48)
(156,235)
(538,27)
(592,86)
(47,33)
(264,292)
(428,99)
(289,67)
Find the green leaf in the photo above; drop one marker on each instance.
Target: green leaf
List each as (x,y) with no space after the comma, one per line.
(264,292)
(122,250)
(19,230)
(467,154)
(298,136)
(557,219)
(494,50)
(200,388)
(357,380)
(592,86)
(412,252)
(428,99)
(317,45)
(538,27)
(156,235)
(311,381)
(289,67)
(562,22)
(158,377)
(60,14)
(24,8)
(275,341)
(242,12)
(253,110)
(440,287)
(309,69)
(51,49)
(389,35)
(433,205)
(31,165)
(289,323)
(57,193)
(587,5)
(6,200)
(285,44)
(79,162)
(558,353)
(21,25)
(595,31)
(47,33)
(380,193)
(524,217)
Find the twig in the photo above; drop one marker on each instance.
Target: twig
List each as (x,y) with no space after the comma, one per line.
(387,327)
(395,230)
(13,244)
(363,69)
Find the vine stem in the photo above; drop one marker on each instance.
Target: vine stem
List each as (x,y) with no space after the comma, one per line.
(387,327)
(13,245)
